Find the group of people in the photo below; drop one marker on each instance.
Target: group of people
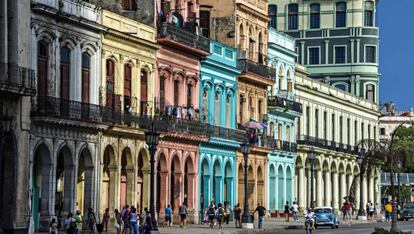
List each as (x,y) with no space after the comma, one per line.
(182,210)
(294,209)
(74,222)
(129,220)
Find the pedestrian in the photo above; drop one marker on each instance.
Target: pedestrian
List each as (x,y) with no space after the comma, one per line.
(370,210)
(78,220)
(388,211)
(91,220)
(106,219)
(134,221)
(262,212)
(125,219)
(287,212)
(211,214)
(205,216)
(148,221)
(53,227)
(237,215)
(70,223)
(183,215)
(295,211)
(227,212)
(347,211)
(118,221)
(220,215)
(168,213)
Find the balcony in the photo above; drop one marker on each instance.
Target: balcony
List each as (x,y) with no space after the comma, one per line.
(226,133)
(17,80)
(329,145)
(246,65)
(176,36)
(276,101)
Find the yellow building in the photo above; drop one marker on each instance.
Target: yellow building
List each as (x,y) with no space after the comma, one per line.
(126,92)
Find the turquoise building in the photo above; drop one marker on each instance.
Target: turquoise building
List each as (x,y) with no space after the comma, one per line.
(281,114)
(217,157)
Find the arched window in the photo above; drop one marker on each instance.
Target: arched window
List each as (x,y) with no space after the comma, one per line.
(279,135)
(144,92)
(370,92)
(273,16)
(176,91)
(217,109)
(42,68)
(315,15)
(293,11)
(110,83)
(205,100)
(86,66)
(369,14)
(280,76)
(341,14)
(189,95)
(127,87)
(342,87)
(228,110)
(64,72)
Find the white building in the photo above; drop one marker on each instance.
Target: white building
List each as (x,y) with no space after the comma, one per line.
(391,119)
(333,123)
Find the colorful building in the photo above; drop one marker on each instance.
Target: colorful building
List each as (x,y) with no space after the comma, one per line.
(218,103)
(282,111)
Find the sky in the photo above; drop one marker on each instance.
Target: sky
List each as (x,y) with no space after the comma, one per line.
(396,23)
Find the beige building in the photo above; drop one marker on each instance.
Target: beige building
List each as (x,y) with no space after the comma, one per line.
(333,123)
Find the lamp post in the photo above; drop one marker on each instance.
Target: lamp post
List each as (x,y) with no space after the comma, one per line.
(246,219)
(398,178)
(5,127)
(360,160)
(312,157)
(152,140)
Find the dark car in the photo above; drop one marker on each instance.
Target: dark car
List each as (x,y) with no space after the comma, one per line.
(325,217)
(407,212)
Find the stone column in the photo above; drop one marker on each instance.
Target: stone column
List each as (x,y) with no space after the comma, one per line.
(191,199)
(164,192)
(113,201)
(319,190)
(302,188)
(365,184)
(357,194)
(219,191)
(130,187)
(328,194)
(343,186)
(335,191)
(177,191)
(371,189)
(145,193)
(69,189)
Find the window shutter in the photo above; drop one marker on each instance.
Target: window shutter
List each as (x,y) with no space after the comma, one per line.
(85,85)
(144,86)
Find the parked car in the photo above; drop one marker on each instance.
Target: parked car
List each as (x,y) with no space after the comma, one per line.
(407,212)
(325,217)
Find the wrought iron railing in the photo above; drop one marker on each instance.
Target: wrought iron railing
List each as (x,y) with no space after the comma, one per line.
(184,36)
(326,144)
(276,101)
(226,133)
(247,65)
(14,78)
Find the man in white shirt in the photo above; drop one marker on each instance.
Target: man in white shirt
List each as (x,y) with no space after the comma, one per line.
(295,210)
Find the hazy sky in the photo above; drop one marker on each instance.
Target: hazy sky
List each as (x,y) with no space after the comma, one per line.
(396,22)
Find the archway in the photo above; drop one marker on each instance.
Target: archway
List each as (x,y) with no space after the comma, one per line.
(228,183)
(127,179)
(217,191)
(272,186)
(41,196)
(162,174)
(142,184)
(175,184)
(109,172)
(280,188)
(65,182)
(251,186)
(189,182)
(289,184)
(260,186)
(84,181)
(205,184)
(240,185)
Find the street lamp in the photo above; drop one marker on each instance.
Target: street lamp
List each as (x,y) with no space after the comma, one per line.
(152,139)
(360,160)
(398,178)
(5,127)
(312,157)
(246,219)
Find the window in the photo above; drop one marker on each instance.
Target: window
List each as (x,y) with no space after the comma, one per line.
(273,16)
(162,92)
(144,92)
(110,83)
(64,72)
(289,86)
(375,133)
(362,131)
(317,123)
(382,131)
(370,92)
(293,16)
(217,109)
(129,5)
(341,14)
(325,116)
(271,129)
(228,110)
(85,77)
(307,120)
(341,129)
(355,132)
(342,87)
(370,54)
(315,15)
(176,85)
(241,107)
(333,127)
(369,131)
(369,14)
(348,131)
(314,56)
(127,87)
(42,68)
(205,23)
(340,54)
(189,95)
(288,133)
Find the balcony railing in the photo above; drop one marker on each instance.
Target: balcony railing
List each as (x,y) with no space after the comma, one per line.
(184,36)
(226,133)
(276,101)
(17,79)
(246,64)
(329,145)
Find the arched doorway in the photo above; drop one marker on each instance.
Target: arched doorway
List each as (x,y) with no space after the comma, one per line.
(272,186)
(142,184)
(205,184)
(228,183)
(109,172)
(240,189)
(217,191)
(260,186)
(65,181)
(189,182)
(175,184)
(41,196)
(84,181)
(289,185)
(162,174)
(127,179)
(280,187)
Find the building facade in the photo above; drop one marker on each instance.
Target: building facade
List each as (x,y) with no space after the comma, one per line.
(336,40)
(333,124)
(218,104)
(64,160)
(390,120)
(282,111)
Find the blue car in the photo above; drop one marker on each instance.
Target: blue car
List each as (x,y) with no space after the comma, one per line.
(325,217)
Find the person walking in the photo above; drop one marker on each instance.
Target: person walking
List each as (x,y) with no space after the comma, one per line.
(211,213)
(118,221)
(125,219)
(388,211)
(183,215)
(106,218)
(91,220)
(295,211)
(220,215)
(370,210)
(134,221)
(168,213)
(53,227)
(287,211)
(262,212)
(78,220)
(70,223)
(227,212)
(237,215)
